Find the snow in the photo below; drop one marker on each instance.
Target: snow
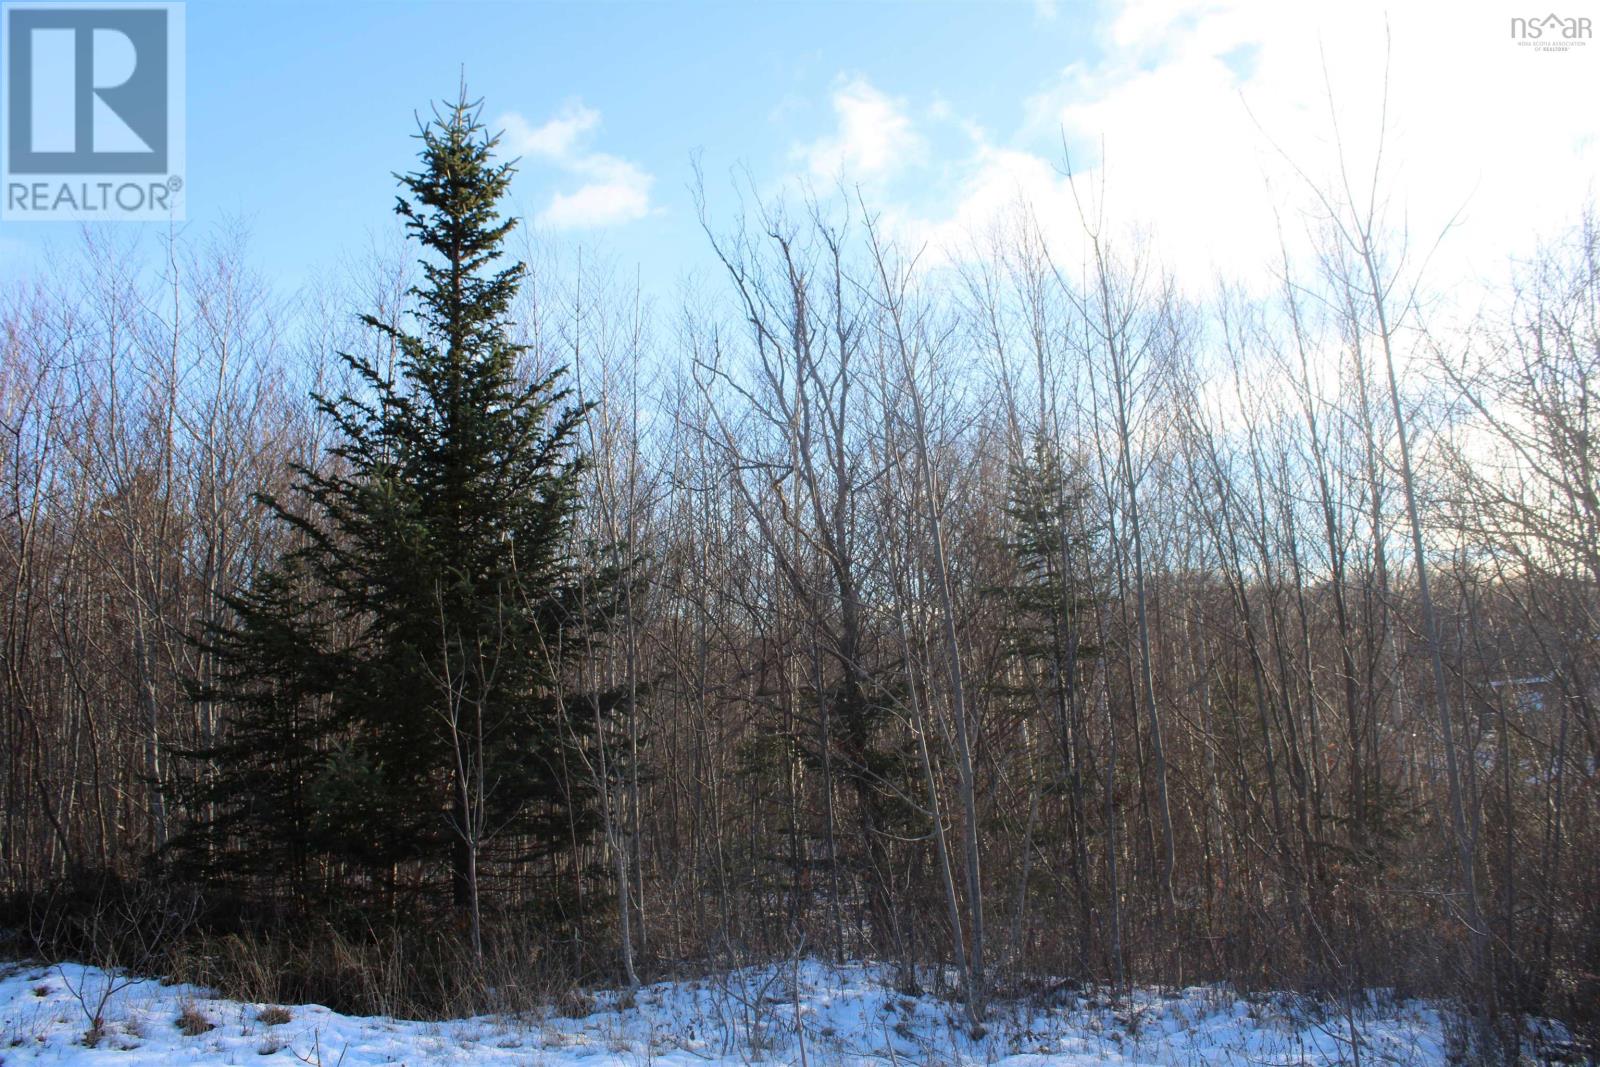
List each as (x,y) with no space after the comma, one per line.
(849,1015)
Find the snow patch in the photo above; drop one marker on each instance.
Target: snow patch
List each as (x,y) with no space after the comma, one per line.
(807,1013)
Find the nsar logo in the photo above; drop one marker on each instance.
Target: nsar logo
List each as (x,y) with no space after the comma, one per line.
(1553,33)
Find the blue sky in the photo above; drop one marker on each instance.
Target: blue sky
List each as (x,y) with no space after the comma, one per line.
(942,113)
(298,113)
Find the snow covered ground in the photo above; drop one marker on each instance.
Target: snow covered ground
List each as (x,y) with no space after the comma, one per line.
(849,1015)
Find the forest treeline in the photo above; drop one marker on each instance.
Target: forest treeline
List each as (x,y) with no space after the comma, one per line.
(1021,612)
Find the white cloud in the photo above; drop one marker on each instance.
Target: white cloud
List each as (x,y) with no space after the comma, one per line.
(612,190)
(998,183)
(875,136)
(1209,102)
(557,138)
(617,191)
(1203,124)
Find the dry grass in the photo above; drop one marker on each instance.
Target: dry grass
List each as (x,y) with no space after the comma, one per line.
(274,1016)
(407,975)
(193,1022)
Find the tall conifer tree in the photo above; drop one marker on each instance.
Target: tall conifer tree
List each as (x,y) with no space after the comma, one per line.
(395,681)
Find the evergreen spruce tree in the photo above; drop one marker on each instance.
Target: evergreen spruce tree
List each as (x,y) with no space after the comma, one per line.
(395,681)
(1049,605)
(1048,542)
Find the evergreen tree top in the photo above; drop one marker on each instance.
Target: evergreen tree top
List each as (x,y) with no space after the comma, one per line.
(452,210)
